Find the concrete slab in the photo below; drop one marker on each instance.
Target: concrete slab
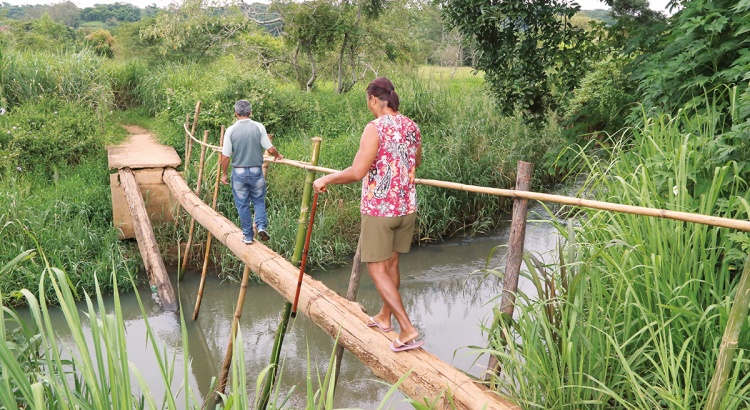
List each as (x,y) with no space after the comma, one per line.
(141,150)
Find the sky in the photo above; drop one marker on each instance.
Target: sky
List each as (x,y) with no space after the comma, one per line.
(659,5)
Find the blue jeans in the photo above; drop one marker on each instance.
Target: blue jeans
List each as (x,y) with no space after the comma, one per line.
(249,186)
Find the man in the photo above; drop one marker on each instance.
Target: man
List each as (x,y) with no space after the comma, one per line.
(244,143)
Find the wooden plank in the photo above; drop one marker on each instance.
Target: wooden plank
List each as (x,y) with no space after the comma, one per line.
(428,376)
(144,234)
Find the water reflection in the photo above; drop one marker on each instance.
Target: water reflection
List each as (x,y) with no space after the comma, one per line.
(446,303)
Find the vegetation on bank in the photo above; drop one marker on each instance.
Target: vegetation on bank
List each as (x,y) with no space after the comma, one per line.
(93,371)
(631,316)
(58,142)
(633,313)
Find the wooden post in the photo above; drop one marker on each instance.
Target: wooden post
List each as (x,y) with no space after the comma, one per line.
(208,240)
(729,341)
(351,295)
(264,167)
(515,251)
(144,234)
(189,244)
(187,137)
(189,147)
(235,324)
(296,258)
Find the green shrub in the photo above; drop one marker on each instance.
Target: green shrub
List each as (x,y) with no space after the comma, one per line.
(68,215)
(124,80)
(49,134)
(602,100)
(101,41)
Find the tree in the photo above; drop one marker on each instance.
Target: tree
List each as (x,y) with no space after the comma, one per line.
(704,48)
(101,41)
(118,12)
(195,30)
(529,51)
(311,28)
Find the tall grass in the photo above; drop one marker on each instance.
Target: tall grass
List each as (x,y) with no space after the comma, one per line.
(94,372)
(69,214)
(75,77)
(639,304)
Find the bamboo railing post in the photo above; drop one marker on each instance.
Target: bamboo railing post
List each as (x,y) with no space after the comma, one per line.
(264,167)
(351,294)
(730,340)
(221,387)
(515,252)
(187,136)
(189,244)
(189,147)
(199,298)
(304,213)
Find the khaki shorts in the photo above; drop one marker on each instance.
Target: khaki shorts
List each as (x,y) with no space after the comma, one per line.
(381,236)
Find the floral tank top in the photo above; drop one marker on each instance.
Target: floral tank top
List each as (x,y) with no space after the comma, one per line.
(387,189)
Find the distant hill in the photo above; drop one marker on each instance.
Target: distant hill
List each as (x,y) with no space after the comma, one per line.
(601,15)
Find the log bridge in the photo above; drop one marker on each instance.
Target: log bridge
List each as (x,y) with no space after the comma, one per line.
(141,163)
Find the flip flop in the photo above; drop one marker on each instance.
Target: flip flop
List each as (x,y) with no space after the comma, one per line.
(373,323)
(405,346)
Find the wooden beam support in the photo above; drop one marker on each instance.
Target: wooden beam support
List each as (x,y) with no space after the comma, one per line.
(144,235)
(430,377)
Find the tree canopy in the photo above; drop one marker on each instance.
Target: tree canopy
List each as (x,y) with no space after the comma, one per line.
(528,50)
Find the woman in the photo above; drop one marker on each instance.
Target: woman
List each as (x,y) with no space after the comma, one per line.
(390,150)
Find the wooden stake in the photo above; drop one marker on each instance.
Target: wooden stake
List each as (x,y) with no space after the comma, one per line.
(235,324)
(144,234)
(189,147)
(730,340)
(515,253)
(187,137)
(351,295)
(304,254)
(264,167)
(189,244)
(296,259)
(199,298)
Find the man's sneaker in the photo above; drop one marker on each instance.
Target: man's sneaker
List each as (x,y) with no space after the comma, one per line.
(263,235)
(247,241)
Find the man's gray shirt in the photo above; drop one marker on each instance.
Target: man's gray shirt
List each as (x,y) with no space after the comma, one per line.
(245,141)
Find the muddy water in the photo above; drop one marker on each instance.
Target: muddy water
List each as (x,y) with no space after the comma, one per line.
(447,303)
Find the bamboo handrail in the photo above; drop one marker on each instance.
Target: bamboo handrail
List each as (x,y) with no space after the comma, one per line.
(216,148)
(559,199)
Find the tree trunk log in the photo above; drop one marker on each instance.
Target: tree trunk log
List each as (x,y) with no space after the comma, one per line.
(144,235)
(430,377)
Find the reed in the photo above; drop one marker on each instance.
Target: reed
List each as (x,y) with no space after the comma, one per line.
(631,314)
(74,77)
(94,372)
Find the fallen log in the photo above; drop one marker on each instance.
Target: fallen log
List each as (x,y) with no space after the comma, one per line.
(144,235)
(429,377)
